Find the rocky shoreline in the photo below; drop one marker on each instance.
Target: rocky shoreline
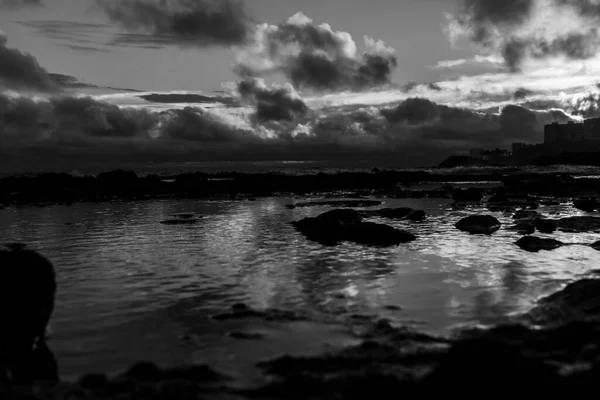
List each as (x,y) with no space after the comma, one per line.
(51,189)
(554,345)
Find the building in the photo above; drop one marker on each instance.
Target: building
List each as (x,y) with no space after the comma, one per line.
(519,146)
(592,129)
(475,153)
(560,133)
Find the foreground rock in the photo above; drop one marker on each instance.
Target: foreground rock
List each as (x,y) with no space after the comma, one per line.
(337,226)
(579,224)
(587,205)
(578,300)
(479,224)
(534,244)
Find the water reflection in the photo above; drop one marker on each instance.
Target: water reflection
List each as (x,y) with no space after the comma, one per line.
(130,287)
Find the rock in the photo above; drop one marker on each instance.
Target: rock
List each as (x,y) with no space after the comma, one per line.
(545,225)
(27,291)
(467,195)
(369,233)
(389,213)
(587,205)
(336,203)
(144,371)
(534,244)
(579,224)
(417,216)
(595,245)
(343,216)
(180,221)
(499,198)
(578,300)
(184,216)
(479,224)
(523,227)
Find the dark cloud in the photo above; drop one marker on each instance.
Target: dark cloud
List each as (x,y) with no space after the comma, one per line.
(522,93)
(513,30)
(16,4)
(272,103)
(197,125)
(21,71)
(182,22)
(316,57)
(174,98)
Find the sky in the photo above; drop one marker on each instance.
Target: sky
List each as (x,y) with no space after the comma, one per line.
(414,81)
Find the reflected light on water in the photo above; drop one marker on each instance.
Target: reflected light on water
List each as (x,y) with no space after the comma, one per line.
(130,287)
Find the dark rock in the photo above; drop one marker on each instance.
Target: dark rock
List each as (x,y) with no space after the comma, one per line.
(184,216)
(579,224)
(369,233)
(578,300)
(595,245)
(587,205)
(144,371)
(479,224)
(523,228)
(417,216)
(467,195)
(498,198)
(389,213)
(343,216)
(534,244)
(27,290)
(337,203)
(545,225)
(93,382)
(181,221)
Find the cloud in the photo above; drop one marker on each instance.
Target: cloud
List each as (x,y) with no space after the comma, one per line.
(194,23)
(277,103)
(188,98)
(521,30)
(16,4)
(315,56)
(21,71)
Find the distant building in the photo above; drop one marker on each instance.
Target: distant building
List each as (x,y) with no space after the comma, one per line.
(493,155)
(592,129)
(476,153)
(556,133)
(519,146)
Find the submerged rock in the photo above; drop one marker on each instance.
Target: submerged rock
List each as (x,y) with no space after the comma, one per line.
(545,225)
(579,224)
(336,203)
(527,215)
(479,224)
(534,244)
(467,195)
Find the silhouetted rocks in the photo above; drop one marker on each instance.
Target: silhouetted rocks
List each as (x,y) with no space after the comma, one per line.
(479,224)
(417,216)
(588,205)
(595,245)
(527,215)
(579,224)
(336,203)
(545,225)
(336,226)
(534,244)
(578,300)
(27,289)
(523,228)
(467,195)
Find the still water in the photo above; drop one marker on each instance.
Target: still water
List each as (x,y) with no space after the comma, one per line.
(132,289)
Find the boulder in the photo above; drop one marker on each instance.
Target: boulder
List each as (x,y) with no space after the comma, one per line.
(417,216)
(545,225)
(579,224)
(467,195)
(587,205)
(523,227)
(534,244)
(479,224)
(369,233)
(595,245)
(527,214)
(578,300)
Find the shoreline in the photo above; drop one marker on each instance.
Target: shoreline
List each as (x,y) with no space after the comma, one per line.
(65,189)
(552,345)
